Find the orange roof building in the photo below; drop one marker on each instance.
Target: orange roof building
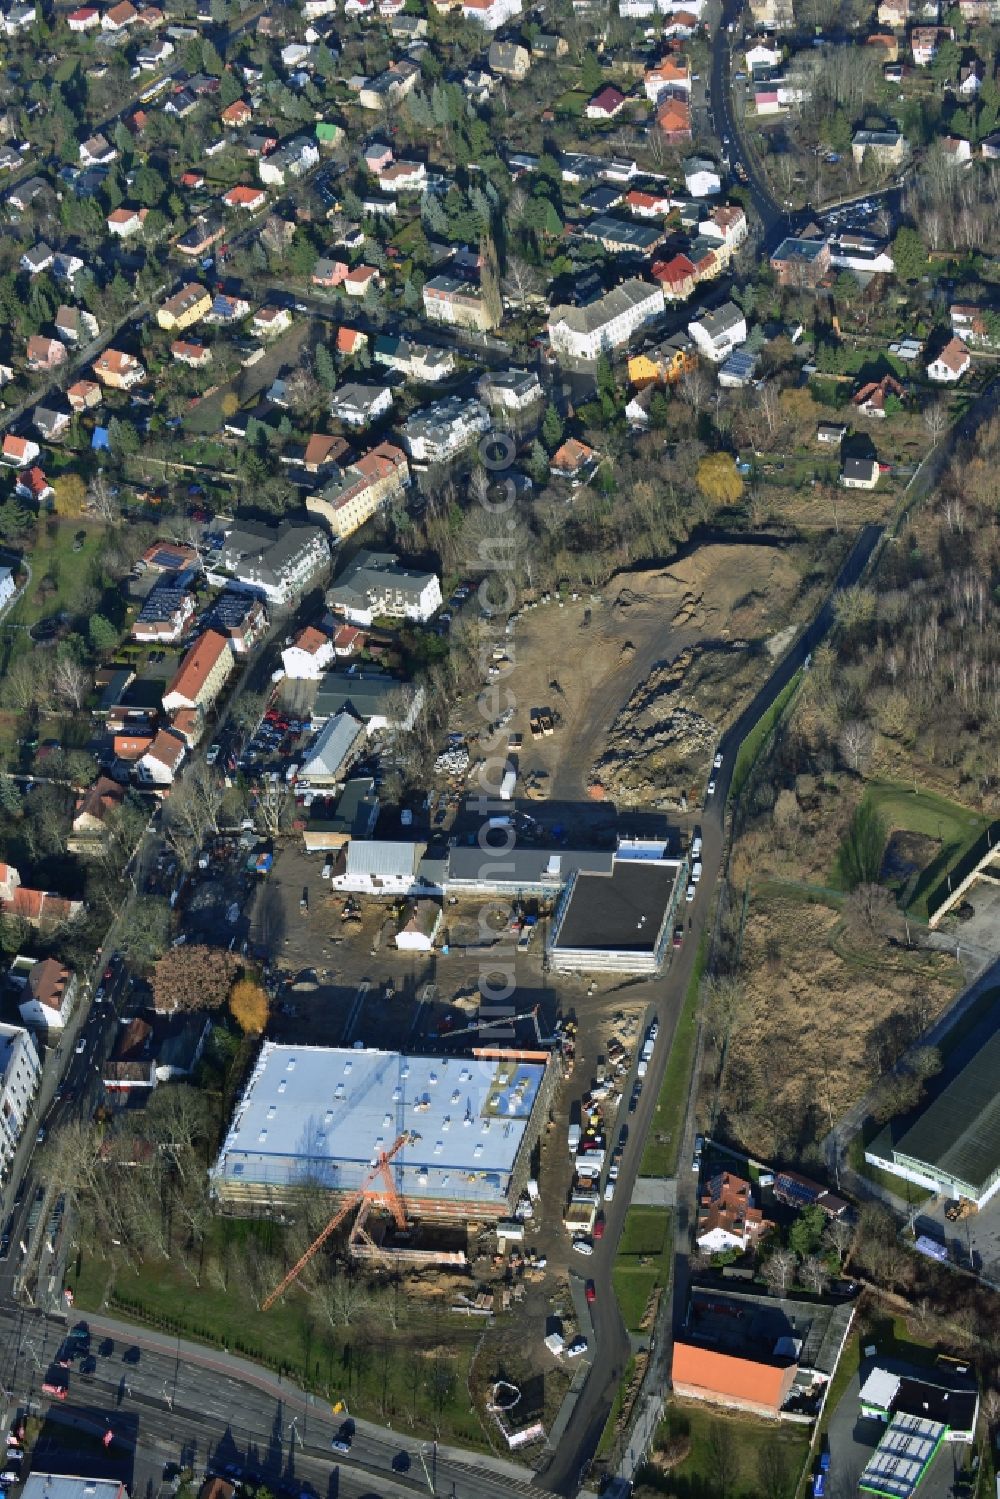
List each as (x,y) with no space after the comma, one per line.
(726,1379)
(727,1218)
(201,675)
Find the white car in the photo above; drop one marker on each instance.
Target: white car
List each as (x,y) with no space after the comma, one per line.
(213,753)
(689,894)
(609,1192)
(710,789)
(583,1246)
(717,763)
(578,1346)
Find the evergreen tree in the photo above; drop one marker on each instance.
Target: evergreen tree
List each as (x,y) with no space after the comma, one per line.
(323,365)
(489,280)
(552,428)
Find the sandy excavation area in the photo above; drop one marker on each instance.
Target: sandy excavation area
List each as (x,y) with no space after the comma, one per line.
(641,678)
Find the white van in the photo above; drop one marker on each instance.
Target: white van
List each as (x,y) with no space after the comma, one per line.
(696,871)
(696,846)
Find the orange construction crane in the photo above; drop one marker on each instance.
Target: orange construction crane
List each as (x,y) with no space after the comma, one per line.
(366,1196)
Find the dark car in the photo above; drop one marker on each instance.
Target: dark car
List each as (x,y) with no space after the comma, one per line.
(107,1347)
(401,1462)
(131,1355)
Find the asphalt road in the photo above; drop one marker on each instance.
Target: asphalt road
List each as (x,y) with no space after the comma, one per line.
(773,218)
(587,1423)
(202,1408)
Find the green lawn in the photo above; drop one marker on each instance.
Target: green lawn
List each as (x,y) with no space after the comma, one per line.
(729,1455)
(642,1262)
(664,1138)
(954,827)
(59,575)
(754,742)
(413,1373)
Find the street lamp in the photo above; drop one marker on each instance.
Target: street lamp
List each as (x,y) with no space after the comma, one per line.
(428,1475)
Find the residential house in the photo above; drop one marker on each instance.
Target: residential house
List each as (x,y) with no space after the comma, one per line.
(955,150)
(292,159)
(677,276)
(357,281)
(511,390)
(648,205)
(169,557)
(717,333)
(90,815)
(361,490)
(74,325)
(165,615)
(772,15)
(606,104)
(801,262)
(87,18)
(48,988)
(970,79)
(622,236)
(241,617)
(607,323)
(19,452)
(161,761)
(154,54)
(8,585)
(349,341)
(359,405)
(83,395)
(572,460)
(33,485)
(951,363)
(278,563)
(871,399)
(670,74)
(250,199)
(761,55)
(420,362)
(726,222)
(888,146)
(970,324)
(673,117)
(309,655)
(117,370)
(448,299)
(97,151)
(194,355)
(120,17)
(202,674)
(375,585)
(664,364)
(390,88)
(491,14)
(36,907)
(727,1218)
(270,321)
(185,308)
(228,309)
(50,422)
(856,252)
(38,259)
(925,41)
(65,267)
(45,353)
(859,473)
(509,60)
(197,240)
(441,431)
(236,114)
(701,177)
(404,176)
(123,223)
(894,13)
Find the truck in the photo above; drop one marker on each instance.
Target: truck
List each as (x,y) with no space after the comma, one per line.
(508,783)
(574,1138)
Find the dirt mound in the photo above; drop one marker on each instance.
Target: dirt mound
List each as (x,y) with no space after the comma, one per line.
(654,743)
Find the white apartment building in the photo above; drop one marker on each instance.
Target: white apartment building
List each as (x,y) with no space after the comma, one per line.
(20,1071)
(608,323)
(438,432)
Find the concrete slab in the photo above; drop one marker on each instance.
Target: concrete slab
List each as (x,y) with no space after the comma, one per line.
(655,1192)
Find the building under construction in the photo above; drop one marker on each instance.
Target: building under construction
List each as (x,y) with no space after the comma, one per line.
(320,1117)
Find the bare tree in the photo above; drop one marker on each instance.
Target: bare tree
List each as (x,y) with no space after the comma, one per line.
(814,1274)
(935,417)
(521,281)
(274,804)
(723,1456)
(840,1236)
(70,680)
(102,502)
(695,388)
(856,741)
(779,1269)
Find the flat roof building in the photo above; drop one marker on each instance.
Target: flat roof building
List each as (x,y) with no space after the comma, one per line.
(318,1116)
(616,919)
(65,1486)
(954,1145)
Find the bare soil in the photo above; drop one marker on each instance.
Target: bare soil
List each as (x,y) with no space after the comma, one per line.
(641,678)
